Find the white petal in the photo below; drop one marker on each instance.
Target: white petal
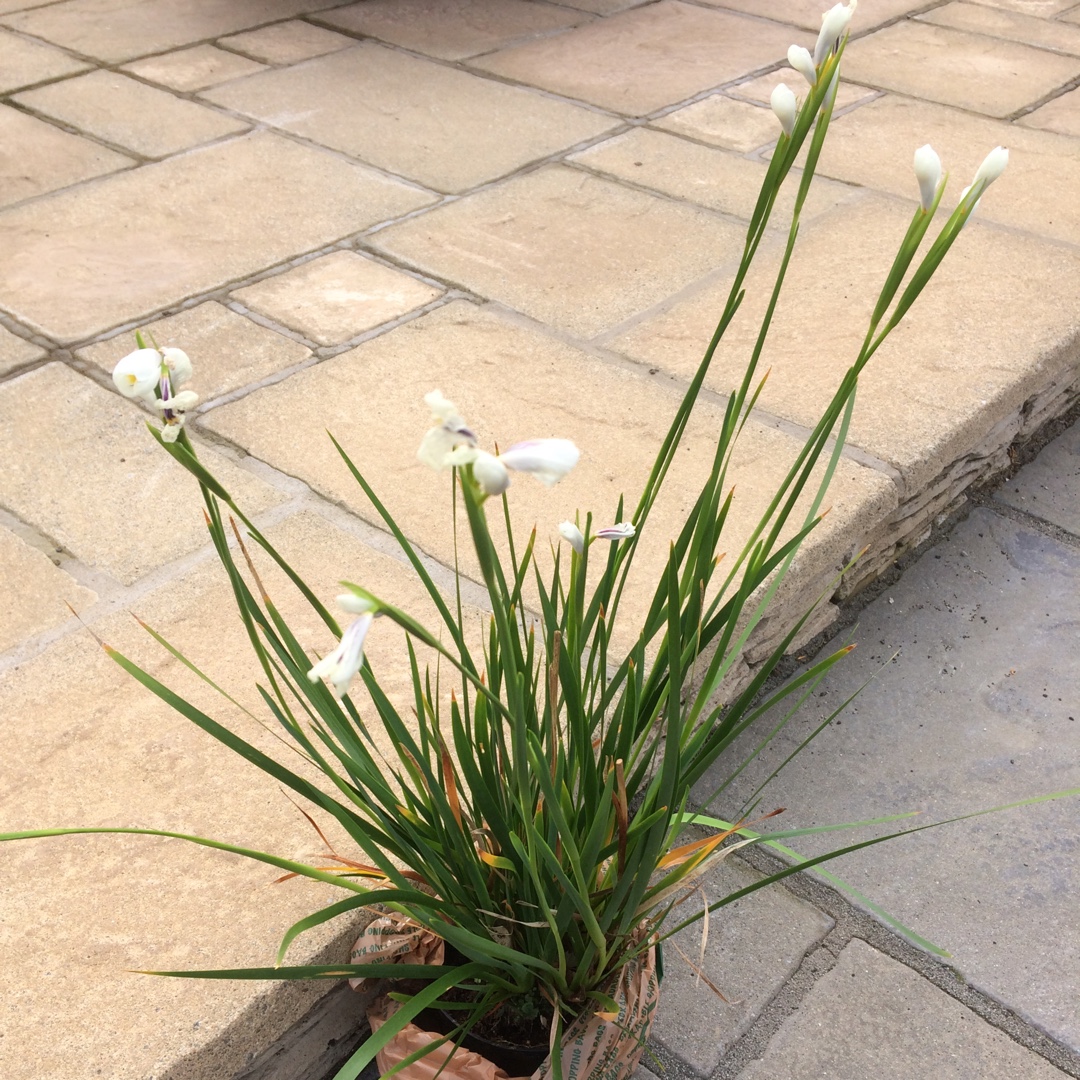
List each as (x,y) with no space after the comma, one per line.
(171,432)
(548,460)
(450,431)
(341,666)
(185,400)
(785,106)
(353,604)
(833,24)
(441,409)
(993,166)
(623,531)
(436,446)
(928,173)
(138,373)
(801,60)
(490,473)
(572,535)
(179,365)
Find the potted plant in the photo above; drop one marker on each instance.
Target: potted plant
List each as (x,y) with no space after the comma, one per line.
(532,813)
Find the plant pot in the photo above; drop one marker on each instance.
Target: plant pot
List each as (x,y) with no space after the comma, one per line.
(513,1058)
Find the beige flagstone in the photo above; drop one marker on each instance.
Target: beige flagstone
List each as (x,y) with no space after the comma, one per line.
(1061,115)
(710,178)
(16,351)
(641,60)
(475,356)
(130,114)
(71,271)
(944,378)
(40,157)
(983,74)
(82,469)
(24,61)
(194,68)
(115,30)
(550,239)
(435,124)
(227,350)
(724,122)
(287,43)
(1007,25)
(34,593)
(453,29)
(337,296)
(873,146)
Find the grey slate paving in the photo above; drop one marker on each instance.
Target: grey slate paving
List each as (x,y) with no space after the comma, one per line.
(979,708)
(1049,487)
(872,1017)
(752,947)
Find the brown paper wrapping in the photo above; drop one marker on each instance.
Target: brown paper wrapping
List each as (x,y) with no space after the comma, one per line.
(592,1048)
(395,939)
(460,1064)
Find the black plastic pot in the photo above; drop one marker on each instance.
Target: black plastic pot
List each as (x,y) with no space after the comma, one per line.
(512,1059)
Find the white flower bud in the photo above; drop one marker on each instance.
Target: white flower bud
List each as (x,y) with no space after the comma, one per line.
(834,23)
(549,460)
(137,375)
(572,535)
(928,173)
(353,604)
(490,473)
(801,60)
(179,366)
(993,166)
(785,106)
(623,531)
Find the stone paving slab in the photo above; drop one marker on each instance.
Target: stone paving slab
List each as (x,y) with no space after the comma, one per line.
(1043,8)
(871,1016)
(641,60)
(952,340)
(195,68)
(72,271)
(752,947)
(79,913)
(1007,25)
(123,507)
(228,351)
(453,29)
(15,352)
(337,296)
(509,383)
(807,13)
(1061,115)
(541,242)
(36,593)
(130,114)
(1049,487)
(862,149)
(24,62)
(760,89)
(40,158)
(697,174)
(116,30)
(465,131)
(971,71)
(978,709)
(287,43)
(227,251)
(722,121)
